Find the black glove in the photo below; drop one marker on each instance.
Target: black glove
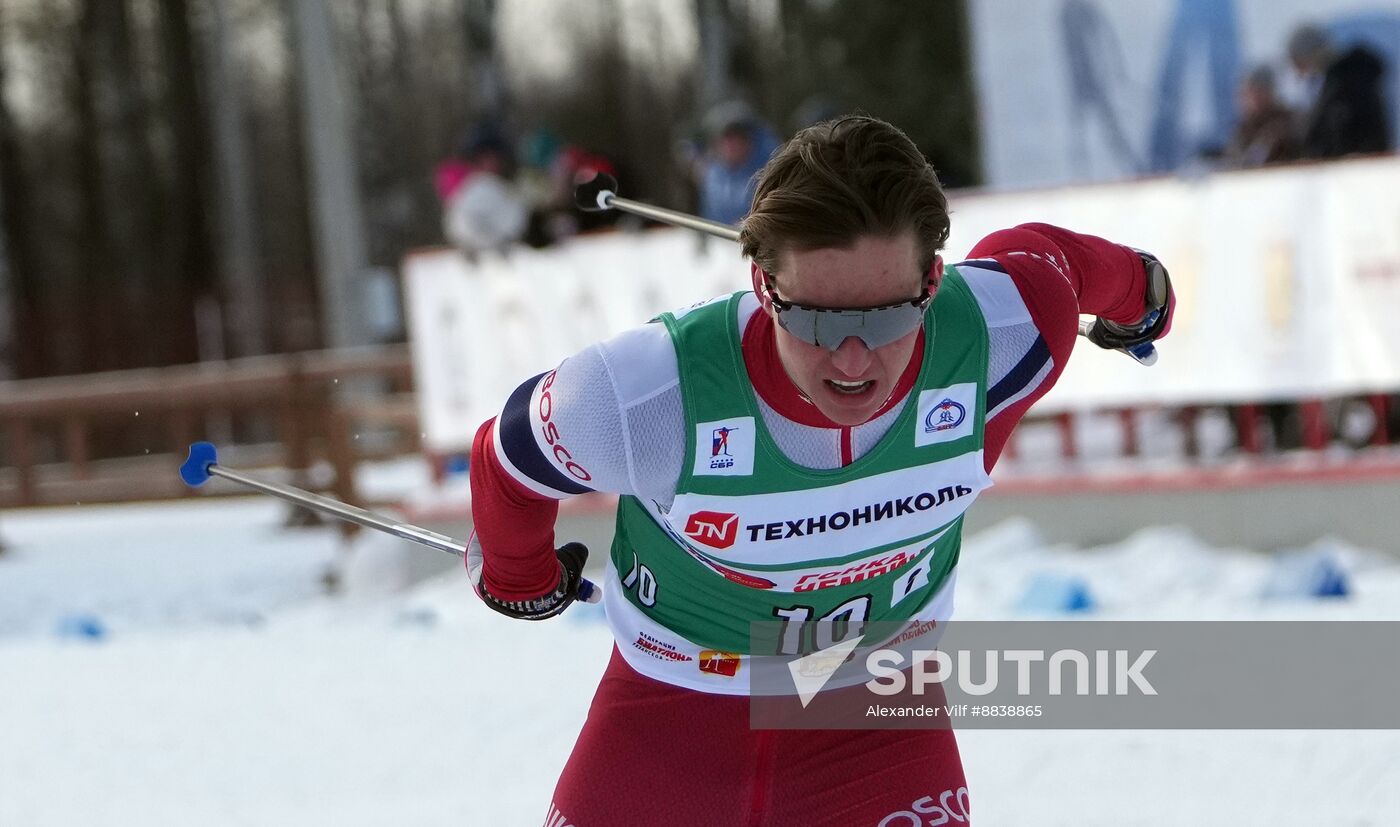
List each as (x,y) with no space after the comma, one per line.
(572,585)
(1155,316)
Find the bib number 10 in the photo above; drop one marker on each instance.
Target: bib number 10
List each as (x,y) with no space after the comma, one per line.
(801,635)
(641,577)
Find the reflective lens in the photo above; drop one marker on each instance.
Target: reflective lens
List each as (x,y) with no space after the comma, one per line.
(829,327)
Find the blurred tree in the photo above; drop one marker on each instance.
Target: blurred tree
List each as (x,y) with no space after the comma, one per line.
(244,284)
(90,284)
(119,111)
(40,178)
(715,24)
(188,274)
(21,346)
(615,99)
(327,134)
(123,202)
(283,206)
(396,152)
(105,156)
(485,83)
(909,64)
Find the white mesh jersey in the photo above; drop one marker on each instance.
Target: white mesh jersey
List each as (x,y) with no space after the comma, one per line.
(610,418)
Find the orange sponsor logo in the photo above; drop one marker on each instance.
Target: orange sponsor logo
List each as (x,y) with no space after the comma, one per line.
(719,663)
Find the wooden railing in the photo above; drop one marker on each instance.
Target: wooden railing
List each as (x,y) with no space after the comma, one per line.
(311,402)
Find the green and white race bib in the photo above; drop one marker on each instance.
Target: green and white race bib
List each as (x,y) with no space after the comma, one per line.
(752,536)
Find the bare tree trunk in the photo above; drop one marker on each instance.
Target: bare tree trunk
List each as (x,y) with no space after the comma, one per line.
(410,157)
(189,277)
(235,203)
(328,137)
(484,67)
(715,43)
(615,83)
(9,338)
(21,342)
(74,295)
(286,224)
(127,197)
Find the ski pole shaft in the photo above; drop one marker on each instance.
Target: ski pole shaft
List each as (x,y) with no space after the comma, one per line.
(680,219)
(203,463)
(600,194)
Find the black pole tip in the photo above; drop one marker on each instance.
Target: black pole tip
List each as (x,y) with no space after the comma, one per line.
(586,194)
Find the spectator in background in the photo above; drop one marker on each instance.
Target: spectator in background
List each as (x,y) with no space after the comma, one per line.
(739,147)
(551,171)
(1347,115)
(480,208)
(1266,132)
(535,178)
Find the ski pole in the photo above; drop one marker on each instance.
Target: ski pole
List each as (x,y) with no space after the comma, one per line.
(203,463)
(599,194)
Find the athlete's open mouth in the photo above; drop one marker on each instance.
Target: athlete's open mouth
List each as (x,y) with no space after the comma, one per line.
(850,388)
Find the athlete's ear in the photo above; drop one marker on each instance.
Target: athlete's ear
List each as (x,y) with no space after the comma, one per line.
(935,275)
(760,281)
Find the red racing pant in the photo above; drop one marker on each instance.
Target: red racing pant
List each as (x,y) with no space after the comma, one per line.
(656,755)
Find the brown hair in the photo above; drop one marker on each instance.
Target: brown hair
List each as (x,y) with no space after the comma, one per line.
(838,180)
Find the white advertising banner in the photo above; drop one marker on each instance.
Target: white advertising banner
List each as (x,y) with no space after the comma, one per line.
(1288,280)
(480,328)
(1288,285)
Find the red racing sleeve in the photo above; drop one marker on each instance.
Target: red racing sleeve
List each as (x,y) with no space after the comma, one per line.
(515,526)
(1058,274)
(1107,279)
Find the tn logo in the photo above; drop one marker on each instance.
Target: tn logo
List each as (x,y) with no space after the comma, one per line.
(715,529)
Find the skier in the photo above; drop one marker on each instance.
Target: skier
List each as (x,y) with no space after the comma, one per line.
(761,441)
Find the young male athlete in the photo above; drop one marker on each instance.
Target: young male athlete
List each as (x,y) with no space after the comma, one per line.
(804,451)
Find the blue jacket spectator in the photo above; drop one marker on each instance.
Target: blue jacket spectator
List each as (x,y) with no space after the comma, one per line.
(740,148)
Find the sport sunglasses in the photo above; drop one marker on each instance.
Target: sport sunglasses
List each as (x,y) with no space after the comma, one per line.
(828,327)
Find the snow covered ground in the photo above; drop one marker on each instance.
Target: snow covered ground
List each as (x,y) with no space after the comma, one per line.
(178,664)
